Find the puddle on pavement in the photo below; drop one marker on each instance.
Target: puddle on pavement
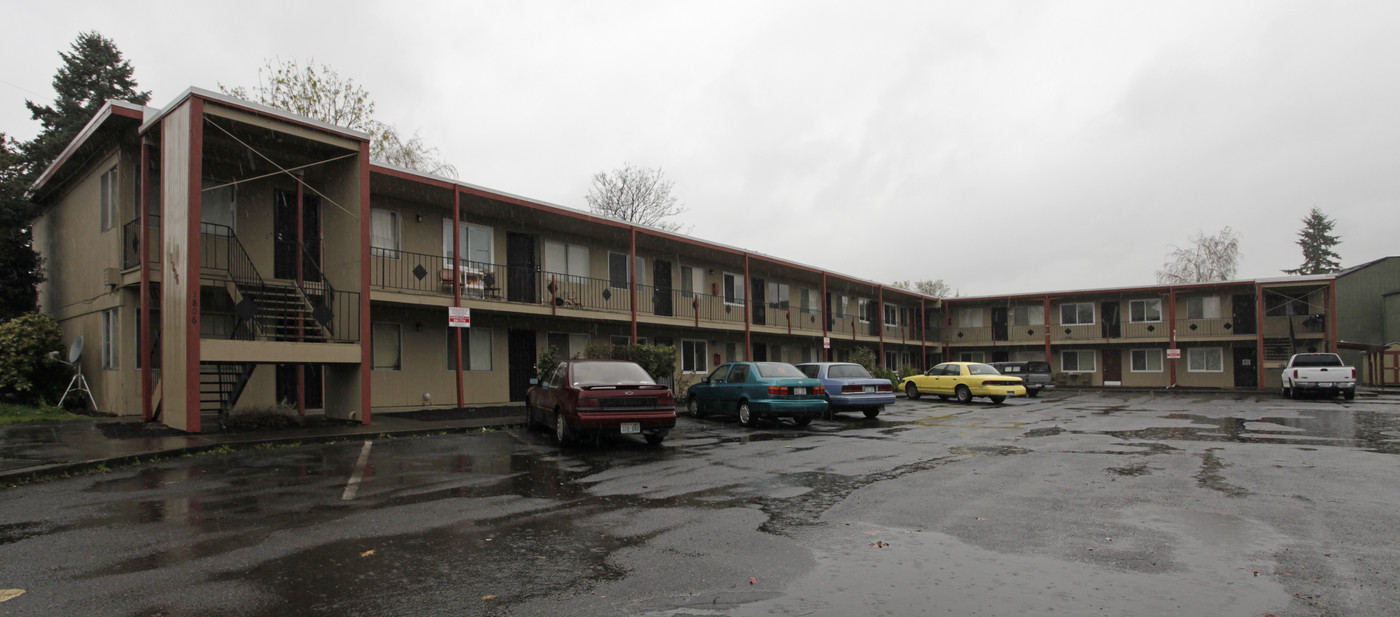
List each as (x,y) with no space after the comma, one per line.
(1351,428)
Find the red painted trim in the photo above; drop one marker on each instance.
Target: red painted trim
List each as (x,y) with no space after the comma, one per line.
(880,325)
(1332,312)
(457,291)
(108,110)
(632,284)
(195,208)
(366,359)
(1045,317)
(1259,331)
(289,118)
(144,345)
(826,305)
(748,298)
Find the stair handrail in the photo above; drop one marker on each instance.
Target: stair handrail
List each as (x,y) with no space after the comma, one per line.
(328,290)
(238,264)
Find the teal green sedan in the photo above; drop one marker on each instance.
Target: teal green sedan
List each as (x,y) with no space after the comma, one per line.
(756,390)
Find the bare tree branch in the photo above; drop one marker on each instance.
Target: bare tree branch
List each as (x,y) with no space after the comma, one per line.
(1209,258)
(638,195)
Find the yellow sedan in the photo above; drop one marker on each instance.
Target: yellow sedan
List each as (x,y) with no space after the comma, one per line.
(963,381)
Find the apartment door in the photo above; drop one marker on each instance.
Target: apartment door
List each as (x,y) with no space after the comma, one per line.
(1246,365)
(661,287)
(1112,366)
(284,230)
(1111,327)
(520,354)
(520,269)
(999,323)
(760,352)
(760,304)
(1242,314)
(1001,356)
(286,385)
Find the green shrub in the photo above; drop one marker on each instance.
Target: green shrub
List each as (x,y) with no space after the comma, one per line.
(27,373)
(659,361)
(908,371)
(546,361)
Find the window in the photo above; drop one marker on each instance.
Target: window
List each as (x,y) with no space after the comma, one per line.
(891,315)
(619,277)
(693,357)
(386,346)
(1077,361)
(1146,361)
(733,353)
(1203,307)
(624,339)
(778,296)
(1285,303)
(476,244)
(217,205)
(1204,360)
(692,281)
(1028,356)
(1028,316)
(107,198)
(384,233)
(110,332)
(1077,314)
(810,301)
(863,307)
(567,345)
(1145,311)
(845,307)
(733,288)
(476,349)
(970,317)
(567,259)
(970,356)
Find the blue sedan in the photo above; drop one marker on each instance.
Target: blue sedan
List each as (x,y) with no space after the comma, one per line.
(756,390)
(849,387)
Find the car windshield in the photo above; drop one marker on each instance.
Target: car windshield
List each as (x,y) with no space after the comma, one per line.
(1322,359)
(981,369)
(1037,367)
(777,369)
(1007,369)
(609,373)
(847,371)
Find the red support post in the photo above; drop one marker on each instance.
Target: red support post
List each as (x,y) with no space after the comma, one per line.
(457,291)
(1171,330)
(748,297)
(301,250)
(879,318)
(1045,317)
(1259,331)
(826,305)
(632,268)
(194,206)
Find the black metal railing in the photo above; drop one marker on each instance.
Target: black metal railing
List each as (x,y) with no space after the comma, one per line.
(405,270)
(131,242)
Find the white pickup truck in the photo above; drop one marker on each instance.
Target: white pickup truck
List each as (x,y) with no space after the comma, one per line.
(1318,372)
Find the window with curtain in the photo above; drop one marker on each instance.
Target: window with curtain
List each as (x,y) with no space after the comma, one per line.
(384,233)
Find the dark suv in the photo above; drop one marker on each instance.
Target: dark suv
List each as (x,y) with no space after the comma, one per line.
(1034,375)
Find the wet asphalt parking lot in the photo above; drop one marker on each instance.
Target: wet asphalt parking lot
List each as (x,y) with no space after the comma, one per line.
(1072,504)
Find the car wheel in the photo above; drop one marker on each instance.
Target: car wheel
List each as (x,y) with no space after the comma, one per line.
(562,433)
(997,399)
(1033,393)
(1349,395)
(746,416)
(1286,393)
(964,394)
(655,438)
(872,412)
(912,391)
(692,405)
(1295,393)
(830,413)
(801,422)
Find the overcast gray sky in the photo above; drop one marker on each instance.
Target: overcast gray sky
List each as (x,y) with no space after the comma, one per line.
(1001,146)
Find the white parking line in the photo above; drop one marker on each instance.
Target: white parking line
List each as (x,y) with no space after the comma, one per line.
(354,484)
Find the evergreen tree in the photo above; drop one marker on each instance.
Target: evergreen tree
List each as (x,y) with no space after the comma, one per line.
(1317,241)
(19,264)
(93,72)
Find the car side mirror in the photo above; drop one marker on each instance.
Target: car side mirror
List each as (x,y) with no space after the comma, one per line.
(705,380)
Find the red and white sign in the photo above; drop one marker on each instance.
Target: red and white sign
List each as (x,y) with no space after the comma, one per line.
(459,317)
(826,342)
(1174,354)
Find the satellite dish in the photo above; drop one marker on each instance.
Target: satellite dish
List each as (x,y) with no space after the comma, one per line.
(76,351)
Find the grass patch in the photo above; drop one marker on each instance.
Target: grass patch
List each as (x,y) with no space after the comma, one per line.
(11,413)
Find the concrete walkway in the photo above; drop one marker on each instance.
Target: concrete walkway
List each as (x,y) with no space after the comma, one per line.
(40,450)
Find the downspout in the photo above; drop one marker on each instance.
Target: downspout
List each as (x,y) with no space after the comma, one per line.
(457,290)
(143,228)
(301,250)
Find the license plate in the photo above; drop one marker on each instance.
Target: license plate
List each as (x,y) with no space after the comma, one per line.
(868,389)
(1324,384)
(631,427)
(799,390)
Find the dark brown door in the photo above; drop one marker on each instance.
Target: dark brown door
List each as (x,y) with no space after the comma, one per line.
(1111,327)
(661,287)
(760,304)
(999,323)
(520,270)
(286,385)
(1242,314)
(1112,365)
(284,245)
(520,353)
(1246,366)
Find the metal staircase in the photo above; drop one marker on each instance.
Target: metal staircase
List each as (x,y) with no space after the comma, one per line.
(220,385)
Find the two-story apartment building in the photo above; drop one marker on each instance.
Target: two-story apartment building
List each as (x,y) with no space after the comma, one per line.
(220,255)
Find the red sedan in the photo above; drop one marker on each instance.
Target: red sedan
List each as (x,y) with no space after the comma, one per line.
(600,396)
